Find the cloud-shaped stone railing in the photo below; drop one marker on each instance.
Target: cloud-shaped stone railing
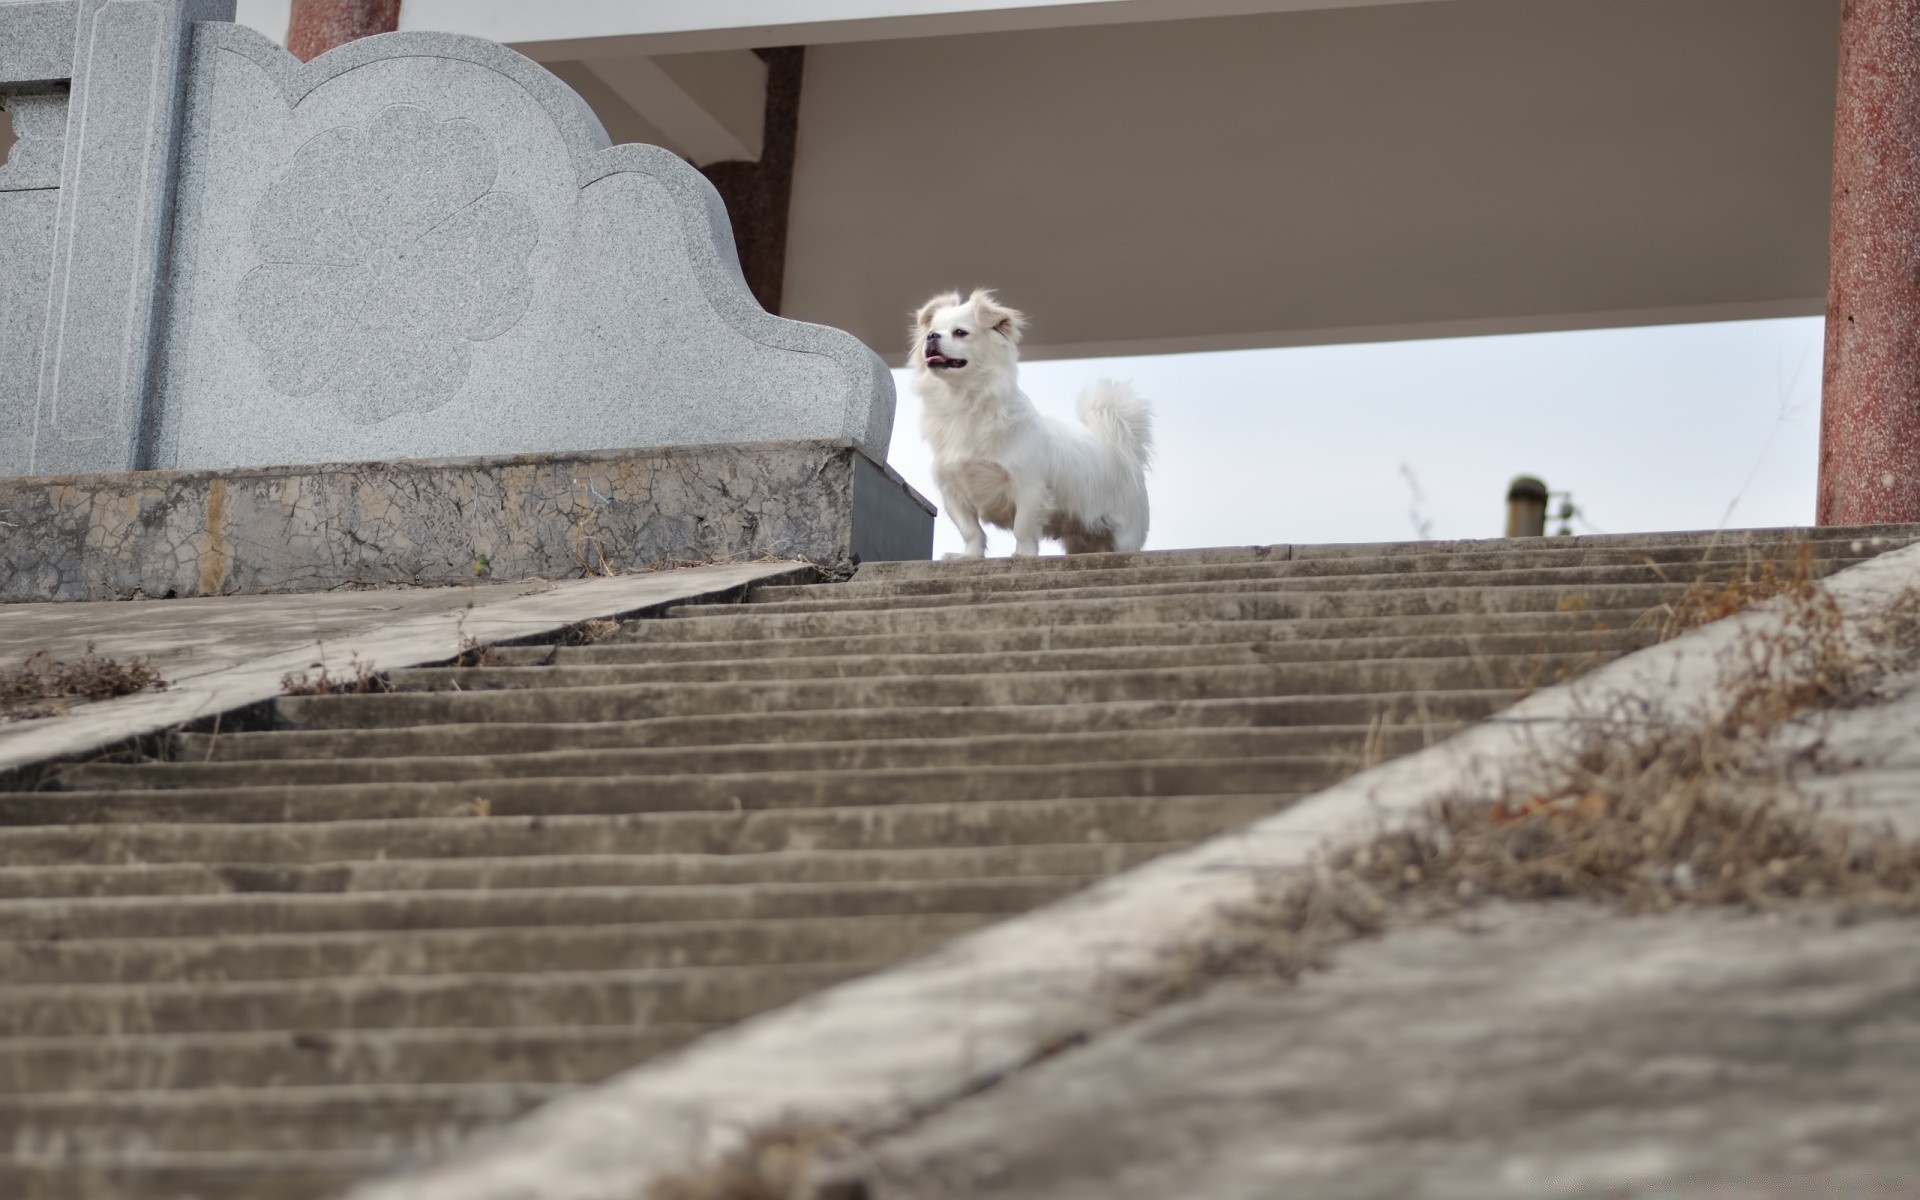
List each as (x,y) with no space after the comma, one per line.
(384,253)
(422,245)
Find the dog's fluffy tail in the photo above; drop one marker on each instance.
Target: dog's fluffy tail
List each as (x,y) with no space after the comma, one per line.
(1120,417)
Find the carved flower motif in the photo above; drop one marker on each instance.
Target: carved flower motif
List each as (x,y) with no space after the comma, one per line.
(384,256)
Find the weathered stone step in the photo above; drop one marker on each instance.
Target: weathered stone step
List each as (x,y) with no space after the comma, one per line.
(747,621)
(560,946)
(737,794)
(267,914)
(636,667)
(1681,563)
(1872,539)
(742,729)
(1006,750)
(512,1054)
(310,1175)
(572,870)
(404,1120)
(1381,674)
(905,825)
(506,698)
(660,641)
(628,999)
(1568,580)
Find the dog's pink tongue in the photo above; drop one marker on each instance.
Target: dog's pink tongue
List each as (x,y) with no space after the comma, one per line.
(936,359)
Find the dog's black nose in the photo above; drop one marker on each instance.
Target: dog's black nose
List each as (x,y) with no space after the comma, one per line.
(932,338)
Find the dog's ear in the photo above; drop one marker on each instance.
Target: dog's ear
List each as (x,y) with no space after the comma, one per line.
(1008,322)
(924,317)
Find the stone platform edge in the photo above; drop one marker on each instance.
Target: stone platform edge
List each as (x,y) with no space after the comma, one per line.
(878,1052)
(436,522)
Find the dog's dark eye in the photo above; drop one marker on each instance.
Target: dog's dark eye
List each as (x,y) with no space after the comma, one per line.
(959,333)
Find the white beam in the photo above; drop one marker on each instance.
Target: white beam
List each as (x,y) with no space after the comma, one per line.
(708,107)
(558,30)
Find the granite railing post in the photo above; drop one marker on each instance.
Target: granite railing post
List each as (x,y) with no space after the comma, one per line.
(110,232)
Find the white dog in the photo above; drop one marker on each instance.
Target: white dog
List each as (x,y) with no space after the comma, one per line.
(997,459)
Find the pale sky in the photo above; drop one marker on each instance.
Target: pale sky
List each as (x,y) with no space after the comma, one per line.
(1674,427)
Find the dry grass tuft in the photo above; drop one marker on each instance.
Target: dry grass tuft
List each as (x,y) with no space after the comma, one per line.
(1649,812)
(45,687)
(777,1163)
(363,681)
(1786,570)
(473,652)
(586,633)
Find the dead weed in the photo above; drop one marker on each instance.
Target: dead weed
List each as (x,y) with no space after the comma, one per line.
(1786,570)
(777,1163)
(363,680)
(45,687)
(1648,811)
(586,633)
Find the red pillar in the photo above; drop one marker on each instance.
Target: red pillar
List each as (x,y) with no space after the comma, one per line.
(317,26)
(1870,408)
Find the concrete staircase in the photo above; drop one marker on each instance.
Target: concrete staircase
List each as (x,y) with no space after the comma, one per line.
(278,962)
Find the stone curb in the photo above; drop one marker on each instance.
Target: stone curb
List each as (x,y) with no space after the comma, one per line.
(873,1053)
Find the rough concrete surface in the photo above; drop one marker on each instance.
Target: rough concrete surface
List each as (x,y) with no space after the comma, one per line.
(1515,1053)
(218,654)
(436,522)
(1863,763)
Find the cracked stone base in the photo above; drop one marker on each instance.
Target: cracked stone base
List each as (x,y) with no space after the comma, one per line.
(425,522)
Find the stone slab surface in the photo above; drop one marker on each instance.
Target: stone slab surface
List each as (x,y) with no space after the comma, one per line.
(1519,1053)
(204,533)
(225,652)
(422,244)
(36,40)
(873,1053)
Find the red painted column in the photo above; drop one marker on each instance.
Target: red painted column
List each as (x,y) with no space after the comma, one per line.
(1870,409)
(317,26)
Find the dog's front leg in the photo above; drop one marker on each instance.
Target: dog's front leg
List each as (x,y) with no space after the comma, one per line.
(968,522)
(1029,518)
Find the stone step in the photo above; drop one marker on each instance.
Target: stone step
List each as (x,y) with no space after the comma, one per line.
(738,794)
(266,914)
(1005,750)
(627,999)
(311,1175)
(886,827)
(1872,539)
(745,729)
(394,1120)
(558,945)
(748,621)
(634,658)
(1681,563)
(571,870)
(1569,580)
(571,697)
(1522,670)
(659,641)
(310,1058)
